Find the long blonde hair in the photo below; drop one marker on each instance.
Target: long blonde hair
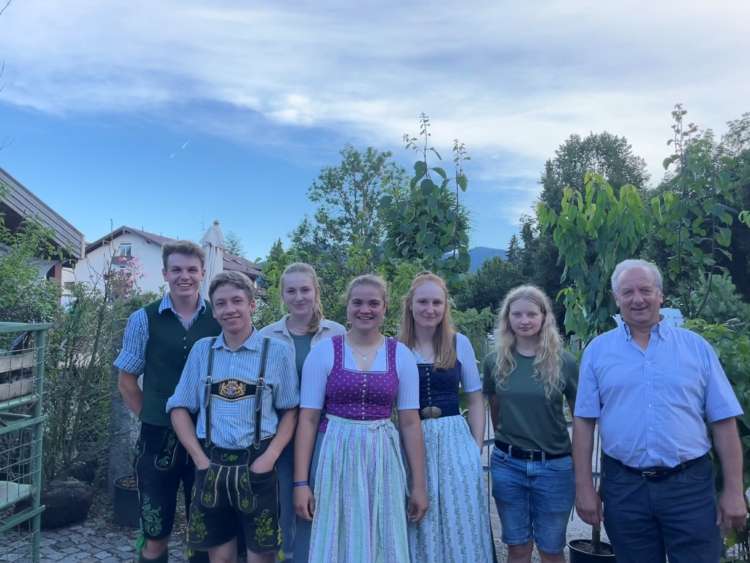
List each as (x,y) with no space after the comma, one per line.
(442,340)
(303,268)
(548,358)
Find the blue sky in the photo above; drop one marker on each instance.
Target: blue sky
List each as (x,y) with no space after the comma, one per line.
(168,115)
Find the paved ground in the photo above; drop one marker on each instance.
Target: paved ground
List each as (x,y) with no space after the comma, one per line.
(100,540)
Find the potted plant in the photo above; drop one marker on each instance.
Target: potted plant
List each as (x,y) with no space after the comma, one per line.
(125,502)
(592,550)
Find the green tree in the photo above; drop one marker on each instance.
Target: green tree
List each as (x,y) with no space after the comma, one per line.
(489,284)
(593,231)
(348,197)
(608,155)
(25,295)
(426,221)
(693,212)
(344,238)
(233,244)
(605,154)
(269,304)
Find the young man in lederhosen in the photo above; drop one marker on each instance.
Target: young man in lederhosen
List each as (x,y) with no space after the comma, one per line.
(156,344)
(236,384)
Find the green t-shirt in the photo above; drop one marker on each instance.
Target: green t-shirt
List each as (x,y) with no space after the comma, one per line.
(301,350)
(527,418)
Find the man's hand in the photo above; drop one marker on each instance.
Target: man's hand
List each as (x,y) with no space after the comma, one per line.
(589,505)
(732,511)
(201,462)
(304,502)
(264,463)
(417,504)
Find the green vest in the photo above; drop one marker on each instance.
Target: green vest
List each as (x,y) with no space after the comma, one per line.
(166,353)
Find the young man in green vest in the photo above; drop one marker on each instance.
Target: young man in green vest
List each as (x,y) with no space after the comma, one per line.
(156,344)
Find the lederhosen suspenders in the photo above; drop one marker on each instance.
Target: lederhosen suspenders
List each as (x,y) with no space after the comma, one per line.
(259,387)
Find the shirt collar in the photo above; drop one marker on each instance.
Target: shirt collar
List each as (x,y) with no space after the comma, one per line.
(166,303)
(253,342)
(280,326)
(660,329)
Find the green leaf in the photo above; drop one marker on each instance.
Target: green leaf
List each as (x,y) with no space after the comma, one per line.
(428,187)
(420,169)
(462,181)
(440,172)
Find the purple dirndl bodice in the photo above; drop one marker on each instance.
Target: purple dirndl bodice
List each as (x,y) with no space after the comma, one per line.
(360,395)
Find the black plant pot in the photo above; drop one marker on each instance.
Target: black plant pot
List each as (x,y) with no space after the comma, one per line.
(581,551)
(125,502)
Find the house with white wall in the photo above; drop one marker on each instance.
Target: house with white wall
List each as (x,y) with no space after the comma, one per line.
(137,253)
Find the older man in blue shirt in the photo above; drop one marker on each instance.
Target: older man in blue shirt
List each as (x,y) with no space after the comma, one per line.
(654,389)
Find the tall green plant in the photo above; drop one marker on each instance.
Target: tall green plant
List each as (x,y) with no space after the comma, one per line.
(427,222)
(593,232)
(691,214)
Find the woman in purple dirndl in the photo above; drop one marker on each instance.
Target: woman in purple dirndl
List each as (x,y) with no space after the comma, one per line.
(359,506)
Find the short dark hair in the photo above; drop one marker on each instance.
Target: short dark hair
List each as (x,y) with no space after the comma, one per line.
(186,247)
(236,279)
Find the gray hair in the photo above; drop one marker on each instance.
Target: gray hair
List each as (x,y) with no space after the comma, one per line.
(630,264)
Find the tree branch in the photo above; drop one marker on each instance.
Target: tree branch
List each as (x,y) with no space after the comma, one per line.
(7,3)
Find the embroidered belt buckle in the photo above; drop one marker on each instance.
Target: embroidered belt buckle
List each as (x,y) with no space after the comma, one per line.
(431,412)
(232,389)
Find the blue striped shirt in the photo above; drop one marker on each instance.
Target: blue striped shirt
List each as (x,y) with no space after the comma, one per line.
(653,404)
(232,422)
(132,357)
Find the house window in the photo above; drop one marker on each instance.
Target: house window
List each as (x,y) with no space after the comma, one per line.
(123,255)
(125,250)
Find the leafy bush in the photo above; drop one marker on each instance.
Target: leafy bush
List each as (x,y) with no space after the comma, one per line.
(723,302)
(83,344)
(25,296)
(733,348)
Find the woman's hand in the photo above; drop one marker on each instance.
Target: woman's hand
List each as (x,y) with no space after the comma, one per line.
(304,502)
(417,505)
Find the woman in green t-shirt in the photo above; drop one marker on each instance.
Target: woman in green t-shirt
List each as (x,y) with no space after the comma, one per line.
(526,378)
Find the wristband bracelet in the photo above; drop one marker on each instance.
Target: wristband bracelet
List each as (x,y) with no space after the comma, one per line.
(301,484)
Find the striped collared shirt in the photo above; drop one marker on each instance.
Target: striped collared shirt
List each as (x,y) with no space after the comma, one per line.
(232,421)
(132,357)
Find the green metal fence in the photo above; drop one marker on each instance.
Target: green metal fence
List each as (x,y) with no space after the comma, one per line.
(22,350)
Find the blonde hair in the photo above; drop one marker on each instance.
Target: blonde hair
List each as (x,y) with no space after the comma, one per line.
(367,279)
(548,357)
(442,340)
(303,268)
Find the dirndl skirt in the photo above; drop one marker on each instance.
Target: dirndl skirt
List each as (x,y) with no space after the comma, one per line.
(360,495)
(456,527)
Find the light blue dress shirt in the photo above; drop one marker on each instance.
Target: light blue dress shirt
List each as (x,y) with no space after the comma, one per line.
(232,422)
(653,404)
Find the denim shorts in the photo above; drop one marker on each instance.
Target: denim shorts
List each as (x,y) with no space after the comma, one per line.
(533,499)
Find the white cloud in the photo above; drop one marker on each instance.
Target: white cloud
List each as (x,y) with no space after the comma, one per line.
(508,79)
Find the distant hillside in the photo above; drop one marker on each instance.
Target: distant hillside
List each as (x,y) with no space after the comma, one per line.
(480,254)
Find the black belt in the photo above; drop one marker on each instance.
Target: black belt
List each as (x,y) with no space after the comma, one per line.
(529,455)
(438,412)
(657,473)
